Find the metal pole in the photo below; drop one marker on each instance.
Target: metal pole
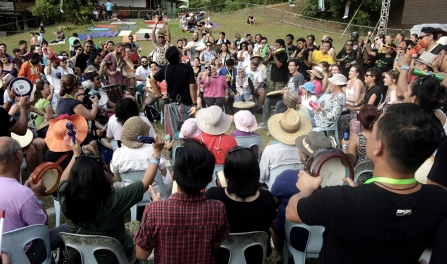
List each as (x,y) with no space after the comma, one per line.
(351,20)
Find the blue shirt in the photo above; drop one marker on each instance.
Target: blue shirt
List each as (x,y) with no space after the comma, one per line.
(109,6)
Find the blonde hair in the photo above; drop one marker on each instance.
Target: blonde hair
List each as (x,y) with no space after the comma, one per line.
(292,100)
(68,83)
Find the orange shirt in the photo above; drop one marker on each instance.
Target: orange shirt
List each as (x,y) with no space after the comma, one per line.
(30,72)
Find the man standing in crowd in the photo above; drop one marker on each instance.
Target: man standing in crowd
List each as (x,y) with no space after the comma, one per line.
(322,55)
(402,215)
(53,73)
(430,35)
(114,65)
(255,76)
(82,59)
(109,7)
(290,48)
(194,47)
(279,72)
(161,44)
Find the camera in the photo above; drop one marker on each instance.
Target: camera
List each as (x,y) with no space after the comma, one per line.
(108,62)
(87,102)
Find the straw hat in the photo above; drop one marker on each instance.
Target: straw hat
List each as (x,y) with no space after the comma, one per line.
(190,129)
(338,79)
(313,142)
(317,71)
(288,126)
(256,55)
(245,121)
(57,138)
(132,128)
(212,120)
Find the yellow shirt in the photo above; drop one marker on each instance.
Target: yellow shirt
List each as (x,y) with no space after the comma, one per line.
(318,56)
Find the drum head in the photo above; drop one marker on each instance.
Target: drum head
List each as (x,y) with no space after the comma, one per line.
(332,164)
(25,140)
(50,179)
(244,105)
(50,173)
(274,94)
(106,143)
(104,99)
(21,86)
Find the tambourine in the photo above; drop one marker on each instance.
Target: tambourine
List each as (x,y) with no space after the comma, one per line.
(274,93)
(24,140)
(278,51)
(50,173)
(221,181)
(332,164)
(21,86)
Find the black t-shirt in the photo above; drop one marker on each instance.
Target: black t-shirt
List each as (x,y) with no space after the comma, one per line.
(290,50)
(383,63)
(349,57)
(81,61)
(373,90)
(280,74)
(178,78)
(67,106)
(302,66)
(439,254)
(369,224)
(7,122)
(41,29)
(438,172)
(246,217)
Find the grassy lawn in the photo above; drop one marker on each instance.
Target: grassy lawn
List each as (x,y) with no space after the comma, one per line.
(230,23)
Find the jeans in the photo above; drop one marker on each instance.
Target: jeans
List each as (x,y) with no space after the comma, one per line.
(215,101)
(246,97)
(269,101)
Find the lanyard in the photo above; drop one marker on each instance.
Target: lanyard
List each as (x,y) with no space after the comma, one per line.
(117,60)
(391,181)
(35,69)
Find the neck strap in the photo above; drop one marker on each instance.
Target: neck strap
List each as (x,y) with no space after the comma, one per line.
(391,181)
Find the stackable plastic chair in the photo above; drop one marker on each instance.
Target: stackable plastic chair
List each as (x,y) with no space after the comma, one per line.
(237,243)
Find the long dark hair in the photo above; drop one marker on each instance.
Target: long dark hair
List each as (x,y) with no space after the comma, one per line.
(242,172)
(39,87)
(87,194)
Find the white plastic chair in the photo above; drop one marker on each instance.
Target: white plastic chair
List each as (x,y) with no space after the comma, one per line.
(361,168)
(86,245)
(134,176)
(313,246)
(237,243)
(14,241)
(278,170)
(330,131)
(212,183)
(57,211)
(249,142)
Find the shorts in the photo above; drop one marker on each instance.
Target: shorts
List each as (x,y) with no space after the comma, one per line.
(109,13)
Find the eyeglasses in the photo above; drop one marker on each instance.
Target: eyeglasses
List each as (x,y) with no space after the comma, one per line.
(208,45)
(348,44)
(144,61)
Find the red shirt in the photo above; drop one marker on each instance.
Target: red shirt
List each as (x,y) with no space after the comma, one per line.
(218,145)
(182,228)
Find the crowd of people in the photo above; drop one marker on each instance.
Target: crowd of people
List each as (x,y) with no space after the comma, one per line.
(387,98)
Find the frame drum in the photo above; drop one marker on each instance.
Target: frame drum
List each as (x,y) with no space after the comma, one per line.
(50,173)
(25,140)
(104,99)
(21,86)
(113,92)
(332,164)
(221,182)
(247,105)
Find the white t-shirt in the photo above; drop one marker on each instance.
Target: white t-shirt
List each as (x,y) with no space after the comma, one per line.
(255,76)
(193,46)
(306,99)
(143,73)
(55,77)
(114,128)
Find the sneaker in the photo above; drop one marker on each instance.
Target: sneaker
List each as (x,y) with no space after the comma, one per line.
(262,125)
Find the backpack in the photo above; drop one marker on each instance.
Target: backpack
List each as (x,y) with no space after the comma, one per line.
(151,113)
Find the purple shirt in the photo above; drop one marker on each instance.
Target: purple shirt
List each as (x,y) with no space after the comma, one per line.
(238,133)
(216,87)
(20,205)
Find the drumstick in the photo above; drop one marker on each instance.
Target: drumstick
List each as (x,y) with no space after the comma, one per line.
(2,220)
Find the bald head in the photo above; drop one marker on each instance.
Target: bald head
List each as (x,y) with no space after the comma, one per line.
(8,149)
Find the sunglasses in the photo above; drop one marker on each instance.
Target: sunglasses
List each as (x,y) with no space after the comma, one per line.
(208,45)
(368,75)
(144,61)
(348,44)
(421,37)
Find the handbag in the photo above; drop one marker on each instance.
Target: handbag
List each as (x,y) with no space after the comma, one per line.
(151,113)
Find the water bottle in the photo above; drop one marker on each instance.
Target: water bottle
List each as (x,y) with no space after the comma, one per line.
(346,135)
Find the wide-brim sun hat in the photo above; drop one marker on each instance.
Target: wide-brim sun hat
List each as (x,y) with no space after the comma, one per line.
(317,71)
(132,128)
(288,126)
(57,138)
(338,79)
(212,120)
(190,129)
(245,121)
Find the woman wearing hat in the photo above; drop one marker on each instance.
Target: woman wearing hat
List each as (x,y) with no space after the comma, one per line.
(100,209)
(327,115)
(316,75)
(245,123)
(308,97)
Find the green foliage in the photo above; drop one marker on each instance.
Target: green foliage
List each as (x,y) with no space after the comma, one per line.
(76,11)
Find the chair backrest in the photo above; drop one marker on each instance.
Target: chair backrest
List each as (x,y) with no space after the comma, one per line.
(115,144)
(366,166)
(253,142)
(86,245)
(278,170)
(176,145)
(314,241)
(137,175)
(237,243)
(14,241)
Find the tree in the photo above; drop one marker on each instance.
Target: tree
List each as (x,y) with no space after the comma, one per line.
(77,11)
